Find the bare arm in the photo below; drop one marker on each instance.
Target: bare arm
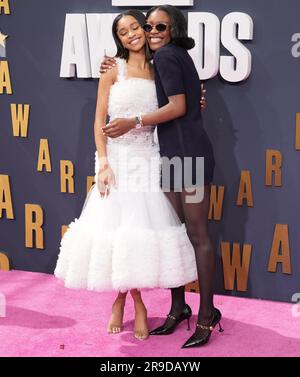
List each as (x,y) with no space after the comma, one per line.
(106,177)
(171,75)
(170,71)
(176,108)
(100,115)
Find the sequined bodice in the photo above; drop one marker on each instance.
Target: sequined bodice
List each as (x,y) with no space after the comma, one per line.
(128,98)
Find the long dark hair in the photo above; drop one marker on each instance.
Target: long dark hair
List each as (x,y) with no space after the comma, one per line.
(123,52)
(179,36)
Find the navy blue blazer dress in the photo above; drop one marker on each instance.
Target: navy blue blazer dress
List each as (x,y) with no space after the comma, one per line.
(175,73)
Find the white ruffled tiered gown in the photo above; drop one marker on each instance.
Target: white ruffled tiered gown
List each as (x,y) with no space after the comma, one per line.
(133,238)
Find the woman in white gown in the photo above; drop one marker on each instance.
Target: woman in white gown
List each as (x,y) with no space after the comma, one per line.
(128,236)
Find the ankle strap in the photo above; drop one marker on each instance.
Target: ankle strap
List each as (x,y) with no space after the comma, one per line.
(205,327)
(171,317)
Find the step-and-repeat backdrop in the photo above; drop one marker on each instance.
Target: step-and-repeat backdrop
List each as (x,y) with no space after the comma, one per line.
(248,53)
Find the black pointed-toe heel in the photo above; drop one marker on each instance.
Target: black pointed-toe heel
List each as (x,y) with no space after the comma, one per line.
(169,329)
(197,340)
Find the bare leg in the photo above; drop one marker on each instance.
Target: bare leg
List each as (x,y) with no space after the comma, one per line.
(116,320)
(140,322)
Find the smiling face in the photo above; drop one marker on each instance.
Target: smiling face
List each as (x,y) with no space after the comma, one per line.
(131,34)
(155,38)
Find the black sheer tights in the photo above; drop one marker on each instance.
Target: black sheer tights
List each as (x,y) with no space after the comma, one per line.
(195,217)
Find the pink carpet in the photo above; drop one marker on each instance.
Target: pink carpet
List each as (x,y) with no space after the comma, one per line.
(45,319)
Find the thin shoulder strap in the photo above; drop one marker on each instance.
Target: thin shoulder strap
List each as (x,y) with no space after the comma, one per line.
(122,69)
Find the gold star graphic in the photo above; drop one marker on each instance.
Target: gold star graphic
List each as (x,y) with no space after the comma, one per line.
(2,39)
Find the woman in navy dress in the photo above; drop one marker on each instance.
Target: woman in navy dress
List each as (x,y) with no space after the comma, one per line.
(175,74)
(181,137)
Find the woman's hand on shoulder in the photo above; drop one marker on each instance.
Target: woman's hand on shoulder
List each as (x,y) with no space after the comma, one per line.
(107,64)
(110,76)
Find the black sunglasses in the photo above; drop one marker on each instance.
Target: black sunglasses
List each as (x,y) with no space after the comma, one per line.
(159,27)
